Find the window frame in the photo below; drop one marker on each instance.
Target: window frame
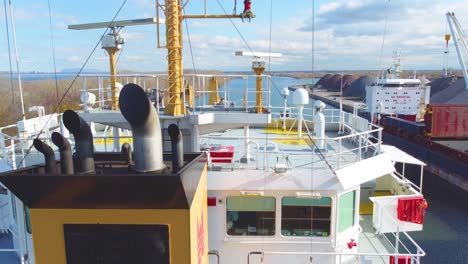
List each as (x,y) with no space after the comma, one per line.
(280,219)
(355,211)
(250,236)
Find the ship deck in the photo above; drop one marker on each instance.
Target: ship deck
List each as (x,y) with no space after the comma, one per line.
(272,147)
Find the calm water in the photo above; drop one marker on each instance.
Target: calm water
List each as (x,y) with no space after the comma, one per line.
(445,235)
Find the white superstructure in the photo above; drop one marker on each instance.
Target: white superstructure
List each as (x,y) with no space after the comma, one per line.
(393,95)
(290,201)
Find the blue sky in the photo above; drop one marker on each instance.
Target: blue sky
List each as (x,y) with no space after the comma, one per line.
(348,34)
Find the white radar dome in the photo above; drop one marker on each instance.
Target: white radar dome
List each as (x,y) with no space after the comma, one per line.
(118,87)
(319,104)
(300,97)
(88,98)
(285,91)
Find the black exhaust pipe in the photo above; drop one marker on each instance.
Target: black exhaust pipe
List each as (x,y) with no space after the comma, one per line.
(84,155)
(127,153)
(66,158)
(49,156)
(177,145)
(147,141)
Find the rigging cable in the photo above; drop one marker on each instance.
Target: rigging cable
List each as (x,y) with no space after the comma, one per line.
(74,79)
(53,54)
(192,94)
(271,24)
(7,30)
(267,134)
(17,60)
(383,39)
(190,44)
(120,53)
(245,41)
(308,132)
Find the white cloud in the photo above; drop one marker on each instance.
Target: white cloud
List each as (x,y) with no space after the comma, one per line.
(75,59)
(325,8)
(348,35)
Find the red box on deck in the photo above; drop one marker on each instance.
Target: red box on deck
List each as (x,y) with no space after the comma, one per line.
(411,209)
(400,260)
(222,154)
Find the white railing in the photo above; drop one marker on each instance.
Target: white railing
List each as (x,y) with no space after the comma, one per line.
(234,97)
(341,257)
(364,141)
(398,246)
(334,154)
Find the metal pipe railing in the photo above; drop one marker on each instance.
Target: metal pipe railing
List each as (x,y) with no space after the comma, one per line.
(214,253)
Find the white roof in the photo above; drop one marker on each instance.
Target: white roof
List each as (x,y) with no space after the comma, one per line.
(398,81)
(364,171)
(299,179)
(398,155)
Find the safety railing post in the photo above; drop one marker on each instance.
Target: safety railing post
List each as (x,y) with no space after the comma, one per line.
(13,154)
(2,145)
(214,253)
(339,153)
(23,163)
(360,149)
(380,141)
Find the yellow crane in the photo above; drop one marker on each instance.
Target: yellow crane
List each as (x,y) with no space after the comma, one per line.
(173,11)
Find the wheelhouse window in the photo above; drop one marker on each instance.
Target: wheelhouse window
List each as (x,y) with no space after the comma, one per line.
(250,216)
(346,211)
(305,216)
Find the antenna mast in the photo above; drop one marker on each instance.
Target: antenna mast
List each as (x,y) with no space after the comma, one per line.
(112,43)
(258,66)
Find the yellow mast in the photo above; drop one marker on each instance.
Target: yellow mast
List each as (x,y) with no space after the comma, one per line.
(174,49)
(113,78)
(173,10)
(112,43)
(258,84)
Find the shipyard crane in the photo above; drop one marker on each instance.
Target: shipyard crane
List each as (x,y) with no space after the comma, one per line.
(461,43)
(258,66)
(112,43)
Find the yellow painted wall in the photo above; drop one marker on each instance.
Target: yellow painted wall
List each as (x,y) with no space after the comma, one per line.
(199,222)
(48,236)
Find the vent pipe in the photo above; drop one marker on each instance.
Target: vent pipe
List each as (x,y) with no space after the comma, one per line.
(66,159)
(147,141)
(177,144)
(319,124)
(49,156)
(84,155)
(127,153)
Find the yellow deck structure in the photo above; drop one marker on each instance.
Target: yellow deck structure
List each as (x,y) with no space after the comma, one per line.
(77,218)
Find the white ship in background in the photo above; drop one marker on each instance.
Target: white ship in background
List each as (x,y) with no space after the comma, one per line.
(240,181)
(392,95)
